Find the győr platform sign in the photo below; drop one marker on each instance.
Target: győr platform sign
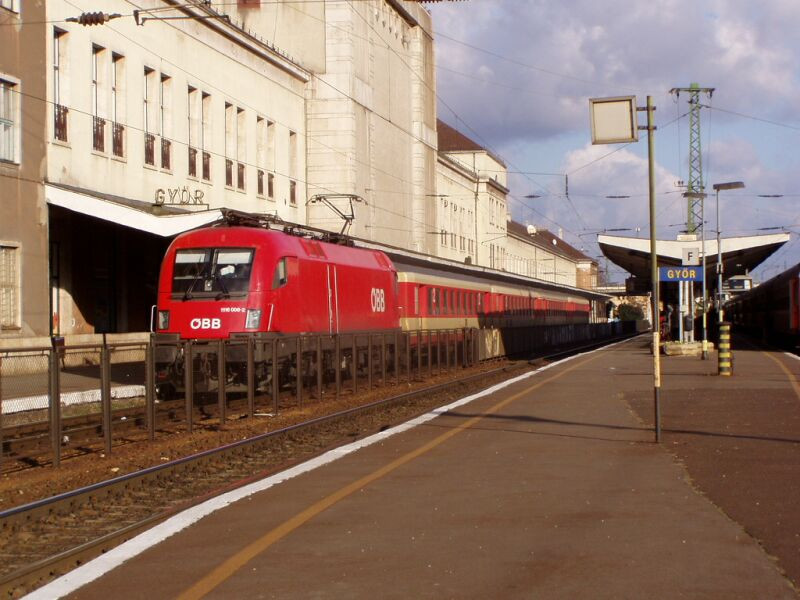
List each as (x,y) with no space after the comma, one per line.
(680,274)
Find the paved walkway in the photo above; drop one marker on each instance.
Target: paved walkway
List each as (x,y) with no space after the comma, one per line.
(549,488)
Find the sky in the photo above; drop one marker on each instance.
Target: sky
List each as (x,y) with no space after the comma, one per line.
(516,76)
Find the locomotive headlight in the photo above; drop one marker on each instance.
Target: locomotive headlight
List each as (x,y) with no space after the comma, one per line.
(163,319)
(253,320)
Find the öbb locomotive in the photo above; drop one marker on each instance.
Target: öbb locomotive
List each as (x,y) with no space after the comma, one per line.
(232,281)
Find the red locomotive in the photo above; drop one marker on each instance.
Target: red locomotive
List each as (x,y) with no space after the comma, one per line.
(219,281)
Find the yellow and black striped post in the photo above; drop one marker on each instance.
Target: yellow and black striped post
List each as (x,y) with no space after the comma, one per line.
(725,354)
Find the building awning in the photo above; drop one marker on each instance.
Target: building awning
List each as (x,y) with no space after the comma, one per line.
(739,254)
(129,213)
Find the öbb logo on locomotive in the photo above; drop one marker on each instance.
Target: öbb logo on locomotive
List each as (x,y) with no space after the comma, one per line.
(378,300)
(205,323)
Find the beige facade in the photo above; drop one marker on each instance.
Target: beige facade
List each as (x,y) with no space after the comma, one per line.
(23,213)
(372,122)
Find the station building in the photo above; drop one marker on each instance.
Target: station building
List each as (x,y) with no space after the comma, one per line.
(116,137)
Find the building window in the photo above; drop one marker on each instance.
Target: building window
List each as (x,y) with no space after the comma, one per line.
(443,235)
(205,135)
(98,122)
(260,154)
(193,113)
(12,5)
(165,118)
(230,142)
(292,155)
(149,117)
(241,147)
(270,186)
(9,121)
(60,110)
(270,160)
(118,105)
(9,287)
(293,193)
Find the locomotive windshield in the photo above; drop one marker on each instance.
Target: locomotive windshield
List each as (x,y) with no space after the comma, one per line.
(212,272)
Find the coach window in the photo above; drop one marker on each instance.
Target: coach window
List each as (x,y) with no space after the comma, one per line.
(479,303)
(416,300)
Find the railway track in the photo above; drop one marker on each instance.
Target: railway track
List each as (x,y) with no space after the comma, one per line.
(45,539)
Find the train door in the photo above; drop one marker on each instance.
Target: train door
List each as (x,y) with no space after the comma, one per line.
(333,299)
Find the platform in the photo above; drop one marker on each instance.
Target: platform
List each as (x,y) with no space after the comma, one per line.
(551,487)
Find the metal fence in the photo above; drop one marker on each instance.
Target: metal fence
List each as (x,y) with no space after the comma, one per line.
(66,400)
(78,399)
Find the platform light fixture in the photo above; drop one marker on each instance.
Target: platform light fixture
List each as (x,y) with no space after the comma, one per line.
(718,187)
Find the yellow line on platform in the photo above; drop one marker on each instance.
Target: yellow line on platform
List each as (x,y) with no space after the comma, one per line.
(789,374)
(226,570)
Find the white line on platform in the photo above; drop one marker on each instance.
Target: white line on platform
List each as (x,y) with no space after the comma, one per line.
(41,401)
(103,564)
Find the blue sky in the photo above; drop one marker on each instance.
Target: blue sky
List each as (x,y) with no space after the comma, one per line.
(516,76)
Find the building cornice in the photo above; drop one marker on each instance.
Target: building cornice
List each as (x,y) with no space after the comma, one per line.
(458,166)
(497,185)
(243,38)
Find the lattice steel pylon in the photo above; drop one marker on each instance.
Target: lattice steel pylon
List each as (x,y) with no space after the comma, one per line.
(695,187)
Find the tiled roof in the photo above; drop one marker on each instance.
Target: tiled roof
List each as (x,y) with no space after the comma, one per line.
(452,140)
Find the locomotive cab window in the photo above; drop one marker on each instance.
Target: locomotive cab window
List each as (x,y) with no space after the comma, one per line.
(215,272)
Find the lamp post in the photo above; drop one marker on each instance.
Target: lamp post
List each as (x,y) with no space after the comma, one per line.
(730,185)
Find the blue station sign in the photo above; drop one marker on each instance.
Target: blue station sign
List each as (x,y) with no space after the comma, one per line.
(680,273)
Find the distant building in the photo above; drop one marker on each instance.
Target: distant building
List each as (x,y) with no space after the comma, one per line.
(471,203)
(537,252)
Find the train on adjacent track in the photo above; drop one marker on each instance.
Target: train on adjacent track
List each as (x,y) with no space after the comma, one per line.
(770,311)
(257,280)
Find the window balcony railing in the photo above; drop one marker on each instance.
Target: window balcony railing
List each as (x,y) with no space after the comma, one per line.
(118,139)
(228,172)
(166,154)
(206,166)
(150,149)
(192,162)
(60,114)
(99,134)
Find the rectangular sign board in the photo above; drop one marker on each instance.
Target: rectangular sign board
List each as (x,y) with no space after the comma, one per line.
(613,120)
(680,274)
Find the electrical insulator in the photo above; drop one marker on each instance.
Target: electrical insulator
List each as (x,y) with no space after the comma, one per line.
(92,18)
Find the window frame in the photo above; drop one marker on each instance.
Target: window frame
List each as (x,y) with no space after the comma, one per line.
(16,286)
(15,123)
